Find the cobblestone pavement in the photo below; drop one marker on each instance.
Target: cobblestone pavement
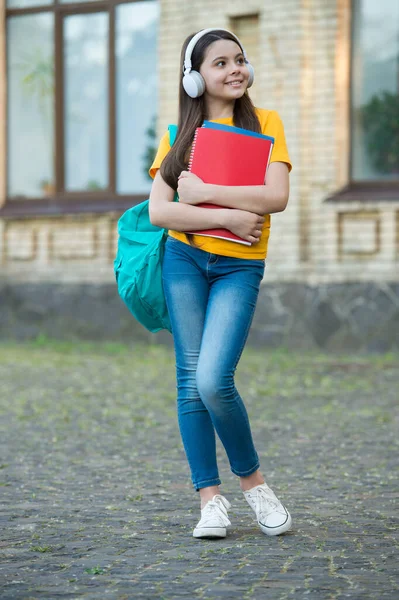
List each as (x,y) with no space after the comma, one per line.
(97,502)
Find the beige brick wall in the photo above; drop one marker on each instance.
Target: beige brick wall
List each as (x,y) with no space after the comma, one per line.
(302,71)
(276,87)
(60,249)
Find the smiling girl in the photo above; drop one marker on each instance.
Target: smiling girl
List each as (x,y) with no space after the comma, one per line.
(211,285)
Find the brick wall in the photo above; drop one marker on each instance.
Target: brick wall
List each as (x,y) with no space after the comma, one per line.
(65,249)
(300,50)
(302,71)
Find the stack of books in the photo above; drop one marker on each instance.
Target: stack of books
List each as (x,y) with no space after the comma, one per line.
(227,155)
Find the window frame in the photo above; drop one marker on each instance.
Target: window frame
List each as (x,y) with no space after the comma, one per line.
(373,190)
(63,201)
(361,182)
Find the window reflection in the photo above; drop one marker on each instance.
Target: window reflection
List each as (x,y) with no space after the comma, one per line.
(30,80)
(84,107)
(86,102)
(375,90)
(27,3)
(136,93)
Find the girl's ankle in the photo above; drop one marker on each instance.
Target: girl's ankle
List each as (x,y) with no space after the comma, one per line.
(247,483)
(207,494)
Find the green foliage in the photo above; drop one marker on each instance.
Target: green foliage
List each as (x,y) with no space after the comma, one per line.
(381,125)
(38,84)
(93,185)
(95,571)
(38,78)
(41,340)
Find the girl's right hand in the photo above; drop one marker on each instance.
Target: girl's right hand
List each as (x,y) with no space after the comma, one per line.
(245,224)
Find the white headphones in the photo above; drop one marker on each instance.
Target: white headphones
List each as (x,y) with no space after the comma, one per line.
(193,82)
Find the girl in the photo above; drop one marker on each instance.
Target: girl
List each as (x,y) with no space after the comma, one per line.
(211,285)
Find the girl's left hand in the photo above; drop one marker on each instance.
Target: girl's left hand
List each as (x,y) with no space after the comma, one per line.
(191,189)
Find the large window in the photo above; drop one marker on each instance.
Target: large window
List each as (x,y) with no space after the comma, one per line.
(82,97)
(375,90)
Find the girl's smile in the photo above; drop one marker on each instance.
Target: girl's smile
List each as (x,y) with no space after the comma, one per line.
(236,83)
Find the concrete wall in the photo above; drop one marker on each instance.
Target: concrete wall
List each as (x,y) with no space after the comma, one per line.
(334,317)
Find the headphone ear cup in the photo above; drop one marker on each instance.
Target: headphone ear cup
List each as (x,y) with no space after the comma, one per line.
(194,84)
(251,74)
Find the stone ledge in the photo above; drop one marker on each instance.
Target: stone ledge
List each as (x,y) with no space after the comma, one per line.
(336,317)
(369,191)
(21,208)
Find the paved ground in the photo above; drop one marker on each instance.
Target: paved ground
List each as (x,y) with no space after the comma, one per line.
(96,498)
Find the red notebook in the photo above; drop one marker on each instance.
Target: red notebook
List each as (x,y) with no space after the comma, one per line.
(225,157)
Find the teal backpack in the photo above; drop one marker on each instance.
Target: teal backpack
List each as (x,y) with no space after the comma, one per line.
(138,264)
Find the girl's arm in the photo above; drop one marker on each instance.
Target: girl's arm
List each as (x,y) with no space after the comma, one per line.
(183,217)
(260,199)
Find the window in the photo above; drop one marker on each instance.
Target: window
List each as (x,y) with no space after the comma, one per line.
(375,91)
(82,97)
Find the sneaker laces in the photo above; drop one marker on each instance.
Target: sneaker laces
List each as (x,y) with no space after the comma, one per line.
(217,507)
(265,502)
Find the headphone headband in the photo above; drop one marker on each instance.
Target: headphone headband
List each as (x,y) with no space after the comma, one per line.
(189,50)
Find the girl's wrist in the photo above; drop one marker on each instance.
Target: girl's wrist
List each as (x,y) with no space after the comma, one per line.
(223,214)
(207,193)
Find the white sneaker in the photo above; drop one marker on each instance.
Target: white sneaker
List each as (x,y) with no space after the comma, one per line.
(272,516)
(214,519)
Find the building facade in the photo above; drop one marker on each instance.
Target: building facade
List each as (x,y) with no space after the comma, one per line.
(86,89)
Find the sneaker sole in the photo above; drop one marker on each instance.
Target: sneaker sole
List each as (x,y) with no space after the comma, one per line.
(210,532)
(277,530)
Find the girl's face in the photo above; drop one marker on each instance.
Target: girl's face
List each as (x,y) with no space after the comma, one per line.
(224,71)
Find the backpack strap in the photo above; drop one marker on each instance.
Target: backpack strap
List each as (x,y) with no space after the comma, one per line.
(172,133)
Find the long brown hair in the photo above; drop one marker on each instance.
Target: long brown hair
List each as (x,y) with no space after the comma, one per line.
(192,111)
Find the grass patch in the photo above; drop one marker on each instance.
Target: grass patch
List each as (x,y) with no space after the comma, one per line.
(41,548)
(95,571)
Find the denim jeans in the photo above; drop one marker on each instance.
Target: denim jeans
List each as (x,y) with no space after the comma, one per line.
(211,300)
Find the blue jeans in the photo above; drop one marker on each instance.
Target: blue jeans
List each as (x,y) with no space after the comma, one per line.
(211,300)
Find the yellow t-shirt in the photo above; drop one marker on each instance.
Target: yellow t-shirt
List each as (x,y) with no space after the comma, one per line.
(272,125)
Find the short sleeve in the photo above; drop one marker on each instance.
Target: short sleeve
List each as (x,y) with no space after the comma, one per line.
(275,128)
(163,149)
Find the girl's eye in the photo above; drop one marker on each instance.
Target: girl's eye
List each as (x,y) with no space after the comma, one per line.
(240,61)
